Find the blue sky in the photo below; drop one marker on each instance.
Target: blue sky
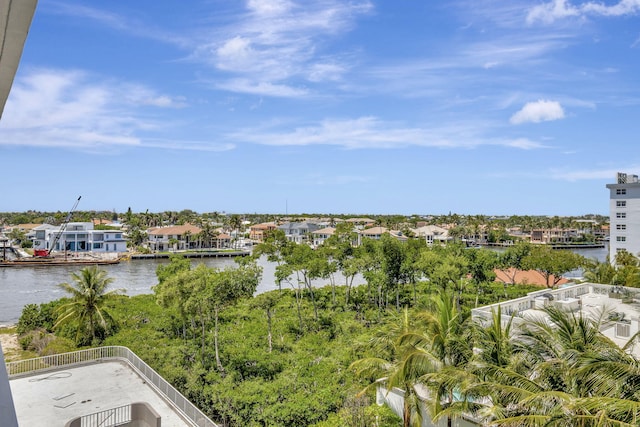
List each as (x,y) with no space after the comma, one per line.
(329,106)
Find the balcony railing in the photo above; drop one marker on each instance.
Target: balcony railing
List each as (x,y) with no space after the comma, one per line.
(58,361)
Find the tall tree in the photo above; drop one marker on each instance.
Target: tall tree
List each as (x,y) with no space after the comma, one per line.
(89,294)
(551,263)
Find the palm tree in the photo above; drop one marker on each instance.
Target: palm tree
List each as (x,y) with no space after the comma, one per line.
(86,308)
(565,372)
(387,368)
(439,354)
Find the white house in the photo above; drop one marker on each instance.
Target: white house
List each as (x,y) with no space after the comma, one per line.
(319,236)
(432,233)
(79,237)
(298,232)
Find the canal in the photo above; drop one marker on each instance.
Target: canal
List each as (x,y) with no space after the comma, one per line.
(20,286)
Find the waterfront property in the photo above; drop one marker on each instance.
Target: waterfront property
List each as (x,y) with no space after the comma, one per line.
(78,237)
(299,232)
(432,233)
(104,386)
(624,215)
(186,237)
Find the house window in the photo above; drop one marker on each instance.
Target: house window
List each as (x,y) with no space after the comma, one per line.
(621,226)
(621,203)
(621,215)
(621,238)
(621,191)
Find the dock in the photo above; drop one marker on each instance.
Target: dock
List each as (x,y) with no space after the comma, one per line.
(207,254)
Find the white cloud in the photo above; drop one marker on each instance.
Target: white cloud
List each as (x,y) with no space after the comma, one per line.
(524,144)
(559,9)
(539,111)
(59,108)
(372,133)
(269,7)
(279,41)
(114,21)
(261,88)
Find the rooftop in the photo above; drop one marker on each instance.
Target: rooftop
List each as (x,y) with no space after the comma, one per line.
(102,383)
(620,308)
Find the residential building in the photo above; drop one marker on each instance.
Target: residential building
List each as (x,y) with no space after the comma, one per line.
(175,237)
(624,215)
(299,232)
(185,237)
(553,235)
(78,237)
(319,236)
(257,232)
(361,223)
(375,233)
(587,299)
(432,233)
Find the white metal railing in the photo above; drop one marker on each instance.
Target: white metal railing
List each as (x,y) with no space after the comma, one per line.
(58,361)
(107,418)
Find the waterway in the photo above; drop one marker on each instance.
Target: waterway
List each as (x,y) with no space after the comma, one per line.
(20,286)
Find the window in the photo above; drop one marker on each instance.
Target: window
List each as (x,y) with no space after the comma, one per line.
(621,203)
(621,226)
(621,239)
(621,215)
(621,191)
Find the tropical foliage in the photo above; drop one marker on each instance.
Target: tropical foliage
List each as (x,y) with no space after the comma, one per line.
(85,310)
(303,355)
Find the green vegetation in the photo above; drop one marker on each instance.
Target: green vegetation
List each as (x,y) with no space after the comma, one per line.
(85,311)
(302,355)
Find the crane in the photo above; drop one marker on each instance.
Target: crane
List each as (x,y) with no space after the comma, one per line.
(63,227)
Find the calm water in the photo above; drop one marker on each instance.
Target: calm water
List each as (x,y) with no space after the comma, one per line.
(33,285)
(20,286)
(26,285)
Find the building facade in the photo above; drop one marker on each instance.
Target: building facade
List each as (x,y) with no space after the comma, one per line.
(624,215)
(79,237)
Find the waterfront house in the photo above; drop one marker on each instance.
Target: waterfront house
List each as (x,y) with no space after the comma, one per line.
(78,237)
(553,235)
(176,238)
(299,232)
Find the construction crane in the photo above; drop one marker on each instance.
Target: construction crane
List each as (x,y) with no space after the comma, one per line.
(63,227)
